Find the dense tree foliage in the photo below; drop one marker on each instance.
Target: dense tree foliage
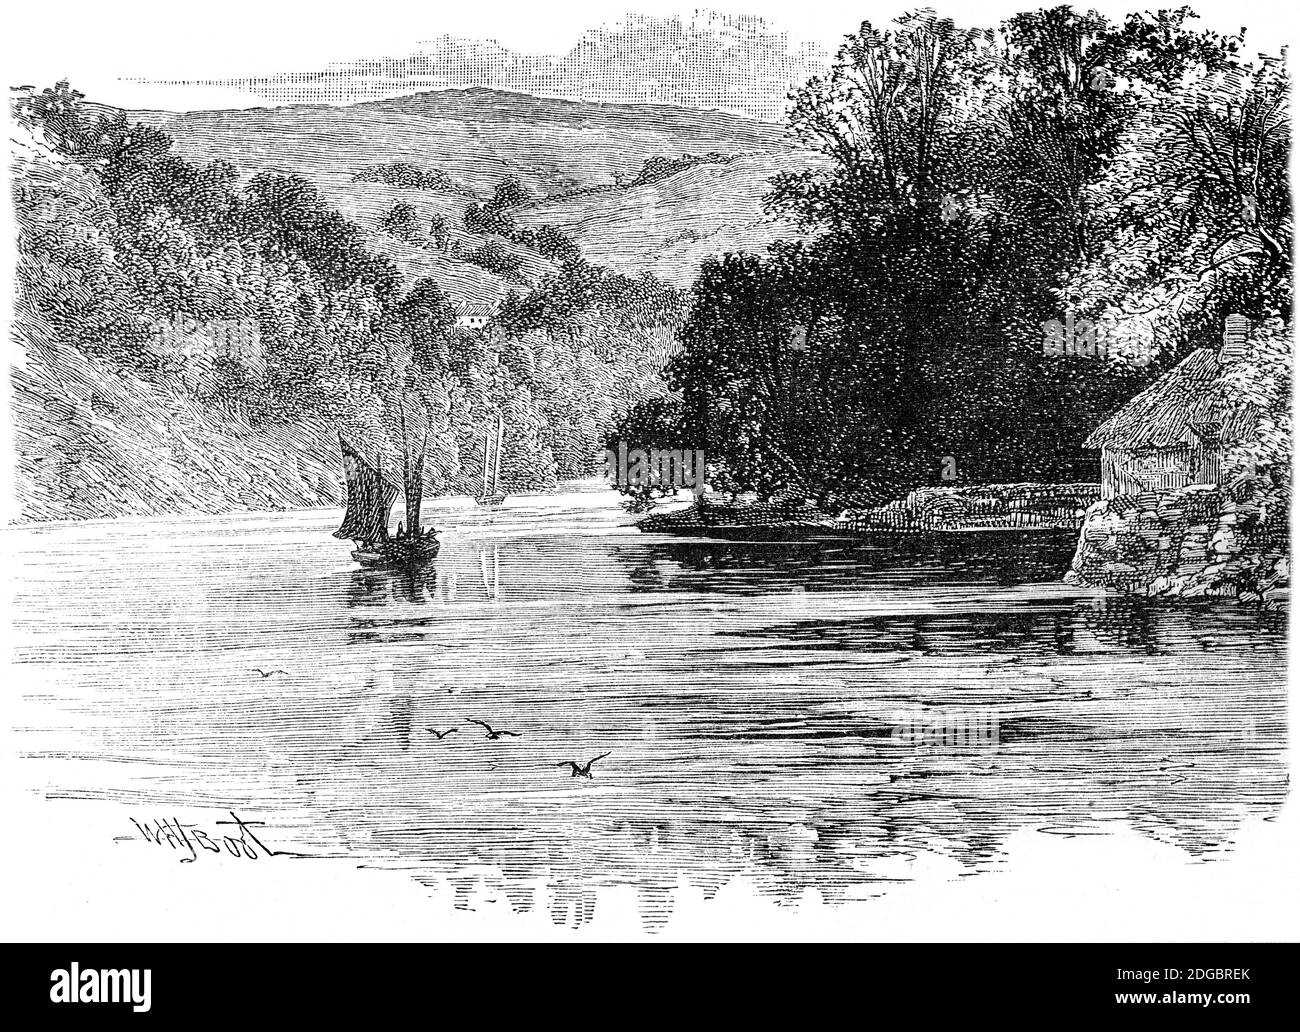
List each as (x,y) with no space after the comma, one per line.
(978,185)
(262,299)
(403,221)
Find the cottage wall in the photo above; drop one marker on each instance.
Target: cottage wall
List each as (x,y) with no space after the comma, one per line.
(1158,470)
(1209,468)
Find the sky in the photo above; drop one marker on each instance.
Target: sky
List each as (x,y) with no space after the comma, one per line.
(703,59)
(243,53)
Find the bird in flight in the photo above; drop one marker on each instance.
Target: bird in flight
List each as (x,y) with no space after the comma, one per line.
(268,673)
(493,735)
(440,735)
(581,770)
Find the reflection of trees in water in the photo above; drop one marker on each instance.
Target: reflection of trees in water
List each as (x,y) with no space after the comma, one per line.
(1161,625)
(1186,768)
(1044,627)
(978,633)
(843,825)
(692,564)
(573,901)
(1125,707)
(1053,625)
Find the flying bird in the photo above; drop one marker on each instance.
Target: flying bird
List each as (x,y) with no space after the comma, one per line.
(491,734)
(581,770)
(440,735)
(268,673)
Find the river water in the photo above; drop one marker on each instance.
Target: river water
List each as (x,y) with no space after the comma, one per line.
(806,715)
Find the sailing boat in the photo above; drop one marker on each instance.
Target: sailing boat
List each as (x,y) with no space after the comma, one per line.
(492,495)
(371,495)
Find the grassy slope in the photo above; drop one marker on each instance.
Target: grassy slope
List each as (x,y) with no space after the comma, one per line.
(668,227)
(568,154)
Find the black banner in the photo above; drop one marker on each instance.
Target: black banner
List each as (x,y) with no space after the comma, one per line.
(1229,984)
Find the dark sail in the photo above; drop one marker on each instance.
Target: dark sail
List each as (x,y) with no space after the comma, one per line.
(414,492)
(370,498)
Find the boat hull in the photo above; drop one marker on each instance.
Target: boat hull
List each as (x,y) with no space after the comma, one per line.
(397,553)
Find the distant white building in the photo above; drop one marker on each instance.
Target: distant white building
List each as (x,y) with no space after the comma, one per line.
(474,316)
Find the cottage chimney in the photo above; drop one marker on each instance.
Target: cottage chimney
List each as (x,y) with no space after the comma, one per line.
(1236,328)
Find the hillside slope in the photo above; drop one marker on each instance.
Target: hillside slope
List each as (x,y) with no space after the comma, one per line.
(94,440)
(477,137)
(190,343)
(579,161)
(668,227)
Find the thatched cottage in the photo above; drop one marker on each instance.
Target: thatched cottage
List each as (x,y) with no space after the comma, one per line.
(1175,432)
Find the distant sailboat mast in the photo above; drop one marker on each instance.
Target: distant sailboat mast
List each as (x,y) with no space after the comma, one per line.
(496,477)
(490,493)
(412,475)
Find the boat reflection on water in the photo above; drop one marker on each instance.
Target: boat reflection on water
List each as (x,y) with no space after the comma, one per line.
(435,582)
(774,712)
(752,699)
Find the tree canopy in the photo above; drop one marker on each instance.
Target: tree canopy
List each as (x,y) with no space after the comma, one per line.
(980,185)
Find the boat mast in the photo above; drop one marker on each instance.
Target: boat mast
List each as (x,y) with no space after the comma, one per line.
(487,455)
(412,474)
(406,460)
(384,512)
(496,478)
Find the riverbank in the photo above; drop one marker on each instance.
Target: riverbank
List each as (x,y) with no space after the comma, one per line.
(961,510)
(739,521)
(1190,544)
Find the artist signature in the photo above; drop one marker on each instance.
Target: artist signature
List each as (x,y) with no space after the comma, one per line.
(239,840)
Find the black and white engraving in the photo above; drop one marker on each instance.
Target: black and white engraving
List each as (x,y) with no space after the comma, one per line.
(706,470)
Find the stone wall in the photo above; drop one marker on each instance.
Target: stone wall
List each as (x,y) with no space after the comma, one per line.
(1190,543)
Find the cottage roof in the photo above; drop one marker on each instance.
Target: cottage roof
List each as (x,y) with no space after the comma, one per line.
(475,311)
(1187,402)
